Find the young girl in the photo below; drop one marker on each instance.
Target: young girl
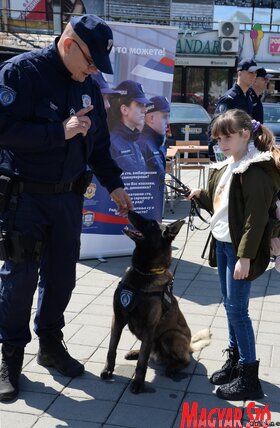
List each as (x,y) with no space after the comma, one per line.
(242,193)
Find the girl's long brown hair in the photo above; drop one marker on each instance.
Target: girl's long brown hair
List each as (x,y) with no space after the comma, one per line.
(235,121)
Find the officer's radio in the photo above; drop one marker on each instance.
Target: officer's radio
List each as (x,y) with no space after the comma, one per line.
(5,192)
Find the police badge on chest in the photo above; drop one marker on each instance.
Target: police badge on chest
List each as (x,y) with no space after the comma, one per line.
(86,100)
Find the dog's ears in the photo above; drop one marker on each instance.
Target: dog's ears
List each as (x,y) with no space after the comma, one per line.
(172,230)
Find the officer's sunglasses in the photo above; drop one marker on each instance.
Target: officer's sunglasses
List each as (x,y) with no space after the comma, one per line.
(88,60)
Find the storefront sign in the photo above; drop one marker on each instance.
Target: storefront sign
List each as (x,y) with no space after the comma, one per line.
(198,46)
(274,45)
(201,61)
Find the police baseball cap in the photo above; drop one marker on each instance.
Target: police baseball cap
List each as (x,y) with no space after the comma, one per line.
(98,37)
(247,65)
(132,90)
(261,72)
(103,84)
(158,104)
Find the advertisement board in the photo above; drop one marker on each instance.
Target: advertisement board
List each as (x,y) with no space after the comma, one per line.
(146,55)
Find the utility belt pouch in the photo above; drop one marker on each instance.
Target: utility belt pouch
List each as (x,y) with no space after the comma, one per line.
(13,246)
(6,185)
(81,185)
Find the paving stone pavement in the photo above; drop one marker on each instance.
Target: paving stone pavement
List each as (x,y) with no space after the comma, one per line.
(48,400)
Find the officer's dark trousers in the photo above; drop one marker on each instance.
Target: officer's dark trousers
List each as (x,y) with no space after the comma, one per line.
(55,220)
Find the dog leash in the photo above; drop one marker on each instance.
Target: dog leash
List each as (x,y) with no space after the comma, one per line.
(194,210)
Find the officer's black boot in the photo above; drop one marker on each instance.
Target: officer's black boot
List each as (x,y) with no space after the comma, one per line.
(10,370)
(53,353)
(229,369)
(246,386)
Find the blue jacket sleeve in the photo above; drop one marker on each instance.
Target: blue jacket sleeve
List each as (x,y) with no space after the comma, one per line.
(19,129)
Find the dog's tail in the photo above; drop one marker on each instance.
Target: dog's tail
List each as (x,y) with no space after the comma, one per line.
(200,340)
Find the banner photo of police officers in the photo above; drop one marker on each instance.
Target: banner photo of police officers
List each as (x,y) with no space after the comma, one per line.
(137,101)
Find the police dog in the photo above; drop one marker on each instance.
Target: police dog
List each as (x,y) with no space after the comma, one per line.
(145,302)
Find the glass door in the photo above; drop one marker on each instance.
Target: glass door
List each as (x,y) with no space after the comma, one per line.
(194,92)
(218,85)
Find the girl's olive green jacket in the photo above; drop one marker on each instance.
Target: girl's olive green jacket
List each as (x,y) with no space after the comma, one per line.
(252,196)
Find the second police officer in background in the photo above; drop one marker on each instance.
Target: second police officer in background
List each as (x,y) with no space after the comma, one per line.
(236,96)
(256,91)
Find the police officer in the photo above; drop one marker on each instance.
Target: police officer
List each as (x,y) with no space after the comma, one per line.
(152,138)
(237,97)
(52,130)
(105,89)
(256,91)
(126,119)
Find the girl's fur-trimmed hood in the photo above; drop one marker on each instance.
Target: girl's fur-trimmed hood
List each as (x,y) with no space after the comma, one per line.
(253,156)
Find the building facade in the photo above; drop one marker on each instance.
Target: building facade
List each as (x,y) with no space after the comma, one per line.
(213,35)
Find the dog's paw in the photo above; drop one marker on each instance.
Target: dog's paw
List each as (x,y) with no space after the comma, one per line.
(136,387)
(106,374)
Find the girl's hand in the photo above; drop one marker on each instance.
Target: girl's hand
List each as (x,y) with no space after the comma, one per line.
(241,269)
(194,193)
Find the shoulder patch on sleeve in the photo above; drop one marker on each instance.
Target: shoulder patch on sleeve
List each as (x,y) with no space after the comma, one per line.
(222,108)
(7,95)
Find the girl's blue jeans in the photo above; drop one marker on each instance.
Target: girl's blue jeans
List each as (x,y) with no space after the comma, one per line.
(236,295)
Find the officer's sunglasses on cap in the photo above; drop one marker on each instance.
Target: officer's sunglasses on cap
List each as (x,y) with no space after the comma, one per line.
(87,58)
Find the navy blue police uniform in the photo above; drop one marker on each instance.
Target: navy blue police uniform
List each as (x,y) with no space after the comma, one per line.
(44,214)
(153,150)
(124,148)
(257,107)
(234,98)
(256,100)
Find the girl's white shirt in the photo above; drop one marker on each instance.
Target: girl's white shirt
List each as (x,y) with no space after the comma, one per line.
(219,222)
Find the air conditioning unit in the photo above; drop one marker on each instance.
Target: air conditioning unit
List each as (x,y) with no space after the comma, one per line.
(229,45)
(228,29)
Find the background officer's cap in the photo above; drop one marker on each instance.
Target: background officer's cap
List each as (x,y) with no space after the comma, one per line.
(262,73)
(158,104)
(103,84)
(247,65)
(98,37)
(132,90)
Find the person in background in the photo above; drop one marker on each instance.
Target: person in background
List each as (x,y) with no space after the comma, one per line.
(242,194)
(105,89)
(53,135)
(126,119)
(256,91)
(236,96)
(152,138)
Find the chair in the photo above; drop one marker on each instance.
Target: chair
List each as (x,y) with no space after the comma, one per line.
(198,163)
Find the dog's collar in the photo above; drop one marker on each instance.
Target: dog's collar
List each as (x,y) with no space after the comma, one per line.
(155,271)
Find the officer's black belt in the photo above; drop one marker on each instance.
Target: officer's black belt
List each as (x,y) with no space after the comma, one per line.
(43,188)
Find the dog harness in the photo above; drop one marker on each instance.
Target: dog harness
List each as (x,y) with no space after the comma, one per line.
(130,298)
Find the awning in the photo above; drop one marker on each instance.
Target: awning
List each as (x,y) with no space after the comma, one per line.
(271,67)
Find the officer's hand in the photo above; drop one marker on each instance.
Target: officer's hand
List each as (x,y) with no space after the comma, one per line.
(78,123)
(122,200)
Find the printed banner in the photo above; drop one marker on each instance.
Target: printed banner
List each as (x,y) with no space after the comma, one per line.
(145,55)
(34,10)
